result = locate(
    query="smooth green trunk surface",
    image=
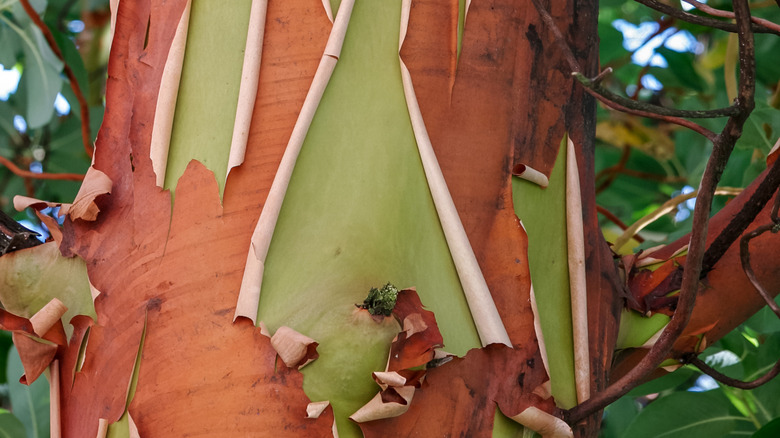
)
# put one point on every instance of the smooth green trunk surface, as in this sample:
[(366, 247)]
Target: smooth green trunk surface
[(208, 92), (358, 213), (543, 212)]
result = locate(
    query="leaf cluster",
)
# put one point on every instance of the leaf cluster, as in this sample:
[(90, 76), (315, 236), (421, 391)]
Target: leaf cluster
[(35, 133), (641, 163)]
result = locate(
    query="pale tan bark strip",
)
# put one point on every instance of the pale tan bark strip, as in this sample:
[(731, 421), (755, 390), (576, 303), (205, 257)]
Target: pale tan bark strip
[(54, 400), (483, 310), (251, 284), (250, 77), (102, 428), (530, 174), (166, 98), (665, 208), (546, 425), (44, 319), (577, 280)]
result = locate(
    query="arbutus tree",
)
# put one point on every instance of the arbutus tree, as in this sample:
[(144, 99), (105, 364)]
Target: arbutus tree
[(262, 167)]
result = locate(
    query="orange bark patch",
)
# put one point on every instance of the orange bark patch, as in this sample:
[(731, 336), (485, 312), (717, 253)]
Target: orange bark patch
[(420, 336), (459, 398), (181, 282)]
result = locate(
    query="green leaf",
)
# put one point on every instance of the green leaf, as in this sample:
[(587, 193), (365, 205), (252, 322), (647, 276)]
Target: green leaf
[(20, 15), (766, 396), (30, 278), (10, 48), (10, 426), (6, 343), (769, 430), (767, 67), (670, 381), (754, 135), (681, 66), (611, 46), (30, 404), (765, 321), (685, 414), (73, 58), (543, 212), (618, 416), (41, 75)]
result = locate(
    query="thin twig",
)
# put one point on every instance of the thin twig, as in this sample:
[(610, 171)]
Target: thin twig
[(730, 381), (698, 19), (744, 254), (730, 15), (743, 218), (652, 176), (695, 127), (74, 83), (616, 220), (665, 208), (648, 107), (612, 171), (28, 174), (723, 144)]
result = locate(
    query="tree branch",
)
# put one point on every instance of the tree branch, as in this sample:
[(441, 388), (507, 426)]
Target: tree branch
[(703, 21), (27, 174), (730, 381), (616, 220), (74, 83), (648, 107), (742, 219), (723, 144), (744, 255), (730, 15)]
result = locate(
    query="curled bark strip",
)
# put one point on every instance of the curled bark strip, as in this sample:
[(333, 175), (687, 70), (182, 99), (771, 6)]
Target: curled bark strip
[(729, 381), (577, 280), (166, 98), (74, 83), (480, 301), (249, 295), (530, 174), (54, 398), (704, 21), (543, 423), (250, 78)]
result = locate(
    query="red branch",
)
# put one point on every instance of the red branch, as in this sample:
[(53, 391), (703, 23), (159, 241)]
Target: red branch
[(74, 84), (726, 14), (616, 220), (27, 174)]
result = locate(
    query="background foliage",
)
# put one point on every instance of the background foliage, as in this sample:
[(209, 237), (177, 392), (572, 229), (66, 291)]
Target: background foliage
[(641, 164)]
